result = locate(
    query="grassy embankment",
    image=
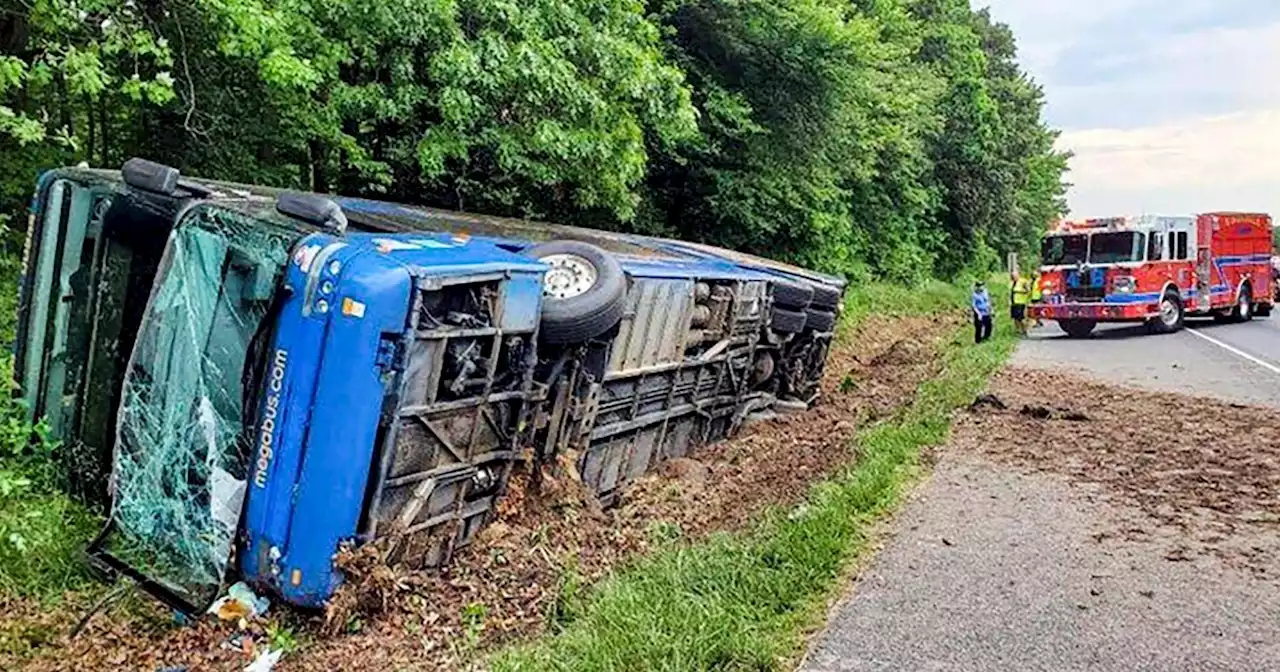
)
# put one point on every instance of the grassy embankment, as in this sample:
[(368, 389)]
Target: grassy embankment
[(746, 601), (42, 532)]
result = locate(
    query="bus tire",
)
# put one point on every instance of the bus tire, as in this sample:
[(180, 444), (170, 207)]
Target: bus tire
[(792, 295), (786, 321), (1077, 328), (820, 321), (1171, 317), (825, 297), (572, 313)]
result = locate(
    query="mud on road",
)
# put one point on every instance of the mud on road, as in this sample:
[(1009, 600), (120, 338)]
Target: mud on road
[(544, 546), (1203, 476), (1070, 524)]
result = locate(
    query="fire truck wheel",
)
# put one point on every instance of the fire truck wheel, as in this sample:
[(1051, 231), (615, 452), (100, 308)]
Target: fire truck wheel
[(1243, 310), (1262, 310), (583, 294), (1171, 315), (1077, 328)]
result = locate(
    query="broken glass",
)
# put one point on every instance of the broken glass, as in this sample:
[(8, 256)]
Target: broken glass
[(180, 461)]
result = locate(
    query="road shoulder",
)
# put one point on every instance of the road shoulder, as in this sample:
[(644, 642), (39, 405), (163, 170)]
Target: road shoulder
[(1025, 551)]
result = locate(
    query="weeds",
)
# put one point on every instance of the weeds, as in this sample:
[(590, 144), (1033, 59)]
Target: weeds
[(42, 532), (280, 638), (744, 601), (473, 617)]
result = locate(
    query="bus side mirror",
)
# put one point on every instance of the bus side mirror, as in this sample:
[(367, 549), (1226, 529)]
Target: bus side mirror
[(150, 176), (313, 209)]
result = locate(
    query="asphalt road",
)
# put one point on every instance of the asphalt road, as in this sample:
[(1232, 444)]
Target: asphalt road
[(1237, 362), (993, 569), (989, 567)]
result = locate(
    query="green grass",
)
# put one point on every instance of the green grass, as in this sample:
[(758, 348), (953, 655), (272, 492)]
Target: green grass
[(744, 602), (42, 541), (43, 533), (888, 299)]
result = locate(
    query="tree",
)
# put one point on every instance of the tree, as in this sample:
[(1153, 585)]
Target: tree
[(886, 138)]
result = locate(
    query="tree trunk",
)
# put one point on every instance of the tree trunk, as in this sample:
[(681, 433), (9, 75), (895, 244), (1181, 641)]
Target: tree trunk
[(105, 132), (319, 178), (87, 154)]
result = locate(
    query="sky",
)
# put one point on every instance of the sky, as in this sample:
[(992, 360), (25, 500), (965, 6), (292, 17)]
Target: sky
[(1170, 106)]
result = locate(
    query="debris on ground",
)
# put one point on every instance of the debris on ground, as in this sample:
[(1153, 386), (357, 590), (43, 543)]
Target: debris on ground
[(551, 537), (1036, 411), (239, 603), (265, 662), (987, 401), (1045, 413), (1204, 475)]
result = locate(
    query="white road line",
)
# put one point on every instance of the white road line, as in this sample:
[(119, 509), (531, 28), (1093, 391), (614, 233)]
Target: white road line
[(1236, 351)]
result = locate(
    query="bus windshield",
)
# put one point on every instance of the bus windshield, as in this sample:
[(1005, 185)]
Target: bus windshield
[(1116, 247), (1064, 250), (180, 462)]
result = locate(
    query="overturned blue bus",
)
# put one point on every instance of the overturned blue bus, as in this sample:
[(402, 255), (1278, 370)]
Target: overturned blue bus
[(252, 378)]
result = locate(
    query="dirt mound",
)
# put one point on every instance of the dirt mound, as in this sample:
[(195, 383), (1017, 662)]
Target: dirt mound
[(902, 353), (551, 536), (1207, 470)]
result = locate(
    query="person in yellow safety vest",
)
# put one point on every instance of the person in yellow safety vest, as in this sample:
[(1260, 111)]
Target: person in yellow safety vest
[(1037, 295), (1021, 296)]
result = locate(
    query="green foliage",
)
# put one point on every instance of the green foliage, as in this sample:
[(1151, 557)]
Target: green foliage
[(878, 138), (744, 602), (42, 532), (280, 638)]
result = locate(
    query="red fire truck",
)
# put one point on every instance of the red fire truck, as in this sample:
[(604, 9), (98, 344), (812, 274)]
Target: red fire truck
[(1156, 270)]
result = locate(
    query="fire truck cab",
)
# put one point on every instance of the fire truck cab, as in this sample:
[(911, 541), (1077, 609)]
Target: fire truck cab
[(1157, 270)]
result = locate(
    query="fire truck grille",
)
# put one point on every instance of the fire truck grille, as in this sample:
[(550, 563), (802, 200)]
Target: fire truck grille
[(1086, 294)]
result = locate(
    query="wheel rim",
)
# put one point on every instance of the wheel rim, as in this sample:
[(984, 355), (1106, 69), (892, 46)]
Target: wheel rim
[(1168, 312), (570, 275), (1245, 306)]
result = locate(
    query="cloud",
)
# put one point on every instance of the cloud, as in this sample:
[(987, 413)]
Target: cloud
[(1227, 162), (1170, 107), (1210, 72), (1130, 63)]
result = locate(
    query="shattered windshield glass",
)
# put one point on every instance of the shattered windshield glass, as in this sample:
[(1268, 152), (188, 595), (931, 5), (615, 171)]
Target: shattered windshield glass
[(180, 461)]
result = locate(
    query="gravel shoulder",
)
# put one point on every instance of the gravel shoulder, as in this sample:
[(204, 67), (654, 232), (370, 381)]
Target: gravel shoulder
[(1063, 541)]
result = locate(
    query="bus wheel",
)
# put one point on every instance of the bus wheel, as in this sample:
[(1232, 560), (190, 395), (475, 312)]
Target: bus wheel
[(1171, 315), (1077, 328), (584, 291)]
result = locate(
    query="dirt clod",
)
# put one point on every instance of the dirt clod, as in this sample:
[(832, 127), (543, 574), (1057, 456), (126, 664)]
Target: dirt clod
[(987, 401)]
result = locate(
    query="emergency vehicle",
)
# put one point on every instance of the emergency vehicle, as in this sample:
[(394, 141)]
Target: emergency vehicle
[(1157, 270)]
